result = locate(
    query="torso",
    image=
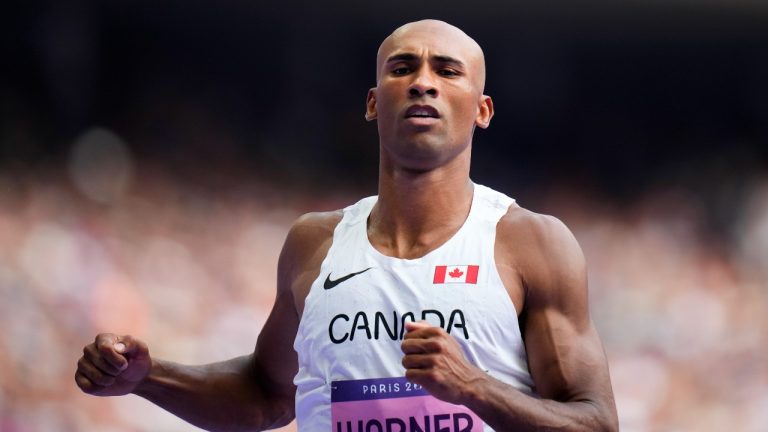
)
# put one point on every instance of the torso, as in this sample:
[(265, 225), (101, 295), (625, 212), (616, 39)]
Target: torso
[(352, 331), (507, 258)]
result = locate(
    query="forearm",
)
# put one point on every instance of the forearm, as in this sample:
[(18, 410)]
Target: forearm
[(219, 396), (503, 407)]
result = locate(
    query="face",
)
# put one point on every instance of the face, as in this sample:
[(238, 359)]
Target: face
[(429, 94)]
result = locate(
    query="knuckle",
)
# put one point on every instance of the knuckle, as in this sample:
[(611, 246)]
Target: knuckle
[(105, 348), (90, 355), (411, 362), (410, 348), (83, 383), (92, 373), (104, 340), (106, 381), (106, 369), (101, 379)]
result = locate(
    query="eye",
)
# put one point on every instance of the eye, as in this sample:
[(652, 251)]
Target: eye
[(447, 72), (402, 70)]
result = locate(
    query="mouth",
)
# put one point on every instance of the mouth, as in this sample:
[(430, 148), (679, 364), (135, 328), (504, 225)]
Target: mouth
[(422, 111)]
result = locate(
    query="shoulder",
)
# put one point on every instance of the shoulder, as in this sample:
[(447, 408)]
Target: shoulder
[(538, 231), (545, 253), (305, 247), (315, 225), (310, 234)]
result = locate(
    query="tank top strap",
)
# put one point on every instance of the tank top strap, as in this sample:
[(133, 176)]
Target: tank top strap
[(489, 205)]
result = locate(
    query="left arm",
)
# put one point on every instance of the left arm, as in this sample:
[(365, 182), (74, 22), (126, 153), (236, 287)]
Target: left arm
[(565, 355)]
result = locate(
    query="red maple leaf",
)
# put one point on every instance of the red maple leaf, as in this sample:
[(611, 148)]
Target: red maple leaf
[(455, 273)]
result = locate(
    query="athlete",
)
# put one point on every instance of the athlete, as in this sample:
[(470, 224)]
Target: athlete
[(438, 305)]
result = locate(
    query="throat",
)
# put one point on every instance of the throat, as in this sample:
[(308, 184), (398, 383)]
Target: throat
[(405, 229), (407, 247)]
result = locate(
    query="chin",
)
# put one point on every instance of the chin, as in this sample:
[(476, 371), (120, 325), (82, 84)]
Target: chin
[(422, 157)]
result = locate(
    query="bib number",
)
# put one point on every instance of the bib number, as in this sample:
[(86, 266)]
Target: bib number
[(395, 405)]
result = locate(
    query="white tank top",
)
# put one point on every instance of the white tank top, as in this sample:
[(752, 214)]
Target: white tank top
[(350, 376)]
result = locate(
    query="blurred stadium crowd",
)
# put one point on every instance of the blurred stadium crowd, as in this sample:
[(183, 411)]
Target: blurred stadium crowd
[(120, 248)]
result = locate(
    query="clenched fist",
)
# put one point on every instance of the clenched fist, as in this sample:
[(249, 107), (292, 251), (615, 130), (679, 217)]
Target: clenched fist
[(112, 365), (434, 360)]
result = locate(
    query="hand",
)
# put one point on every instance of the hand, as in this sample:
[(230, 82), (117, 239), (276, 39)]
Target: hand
[(434, 360), (112, 365)]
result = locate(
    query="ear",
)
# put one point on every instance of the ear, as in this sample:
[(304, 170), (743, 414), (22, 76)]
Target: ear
[(485, 112), (370, 105)]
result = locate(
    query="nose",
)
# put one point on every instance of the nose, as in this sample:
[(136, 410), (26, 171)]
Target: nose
[(422, 85)]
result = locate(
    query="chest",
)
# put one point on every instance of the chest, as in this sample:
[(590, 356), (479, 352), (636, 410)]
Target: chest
[(359, 299), (359, 288)]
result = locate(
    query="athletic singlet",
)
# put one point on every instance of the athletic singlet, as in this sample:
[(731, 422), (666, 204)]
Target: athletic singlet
[(350, 376)]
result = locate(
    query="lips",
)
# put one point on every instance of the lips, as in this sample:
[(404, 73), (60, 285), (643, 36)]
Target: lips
[(422, 111)]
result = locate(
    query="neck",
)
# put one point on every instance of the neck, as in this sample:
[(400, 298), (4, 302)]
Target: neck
[(417, 211)]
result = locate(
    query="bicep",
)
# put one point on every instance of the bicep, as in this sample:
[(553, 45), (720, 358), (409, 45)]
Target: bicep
[(565, 354), (566, 360), (299, 264), (272, 365), (275, 361)]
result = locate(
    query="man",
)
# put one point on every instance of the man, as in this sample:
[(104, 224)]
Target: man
[(438, 305)]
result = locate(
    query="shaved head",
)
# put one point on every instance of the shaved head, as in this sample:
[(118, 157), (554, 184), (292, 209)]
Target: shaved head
[(411, 36), (429, 95)]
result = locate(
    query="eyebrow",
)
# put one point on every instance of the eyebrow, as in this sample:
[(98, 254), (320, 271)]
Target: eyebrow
[(440, 58)]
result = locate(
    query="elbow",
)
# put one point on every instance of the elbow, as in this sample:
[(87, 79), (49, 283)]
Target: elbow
[(285, 417), (599, 417), (606, 419), (263, 414), (282, 411)]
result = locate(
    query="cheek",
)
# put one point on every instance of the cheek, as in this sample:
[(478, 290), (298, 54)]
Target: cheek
[(465, 104), (385, 105), (465, 112), (390, 91)]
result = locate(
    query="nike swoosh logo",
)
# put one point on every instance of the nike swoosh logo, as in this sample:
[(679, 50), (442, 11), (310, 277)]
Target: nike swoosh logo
[(328, 284)]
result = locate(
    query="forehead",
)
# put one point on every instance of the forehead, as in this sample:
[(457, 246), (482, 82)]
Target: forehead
[(432, 40)]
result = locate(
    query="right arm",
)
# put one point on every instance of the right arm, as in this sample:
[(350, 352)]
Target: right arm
[(253, 392)]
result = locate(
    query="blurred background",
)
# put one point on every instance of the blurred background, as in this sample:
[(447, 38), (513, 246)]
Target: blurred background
[(154, 154)]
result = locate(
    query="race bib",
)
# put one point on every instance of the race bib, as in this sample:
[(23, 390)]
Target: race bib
[(395, 405)]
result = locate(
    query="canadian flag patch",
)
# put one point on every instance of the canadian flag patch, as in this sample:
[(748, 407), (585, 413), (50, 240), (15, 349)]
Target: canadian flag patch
[(456, 274)]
